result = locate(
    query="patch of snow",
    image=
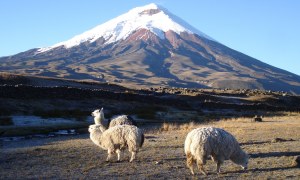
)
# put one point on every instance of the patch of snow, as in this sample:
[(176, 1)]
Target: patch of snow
[(122, 26)]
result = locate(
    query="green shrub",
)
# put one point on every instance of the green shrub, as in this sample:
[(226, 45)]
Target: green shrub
[(143, 112), (5, 112), (147, 112), (58, 113), (6, 121)]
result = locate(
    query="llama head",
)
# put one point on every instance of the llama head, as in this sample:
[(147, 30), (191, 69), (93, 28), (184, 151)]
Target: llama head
[(95, 127), (98, 112), (244, 161), (98, 116)]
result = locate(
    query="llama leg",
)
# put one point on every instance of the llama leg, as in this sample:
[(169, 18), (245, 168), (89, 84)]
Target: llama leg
[(200, 164), (118, 151), (132, 156), (189, 162), (219, 163), (109, 154), (214, 158)]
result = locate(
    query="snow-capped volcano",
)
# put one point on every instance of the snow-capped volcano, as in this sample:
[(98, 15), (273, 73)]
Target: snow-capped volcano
[(149, 46), (152, 17)]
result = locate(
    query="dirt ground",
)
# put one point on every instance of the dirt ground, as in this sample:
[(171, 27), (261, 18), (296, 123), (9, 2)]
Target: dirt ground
[(162, 156)]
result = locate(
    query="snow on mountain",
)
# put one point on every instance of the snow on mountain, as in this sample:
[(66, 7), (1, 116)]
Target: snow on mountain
[(152, 17)]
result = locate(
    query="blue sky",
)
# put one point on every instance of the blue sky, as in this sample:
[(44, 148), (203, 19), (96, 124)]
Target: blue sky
[(267, 30)]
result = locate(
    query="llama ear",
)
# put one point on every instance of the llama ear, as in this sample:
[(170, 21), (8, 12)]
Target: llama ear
[(102, 114)]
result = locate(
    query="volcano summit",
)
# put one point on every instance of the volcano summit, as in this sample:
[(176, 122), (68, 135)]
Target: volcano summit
[(149, 46)]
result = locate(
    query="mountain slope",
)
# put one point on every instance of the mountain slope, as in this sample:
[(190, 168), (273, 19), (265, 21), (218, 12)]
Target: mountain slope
[(149, 46)]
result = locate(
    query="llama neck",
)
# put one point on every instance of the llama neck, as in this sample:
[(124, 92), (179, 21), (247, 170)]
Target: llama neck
[(102, 128), (96, 136), (98, 120)]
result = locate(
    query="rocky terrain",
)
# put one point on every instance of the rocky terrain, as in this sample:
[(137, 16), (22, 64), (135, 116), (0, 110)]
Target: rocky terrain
[(23, 89)]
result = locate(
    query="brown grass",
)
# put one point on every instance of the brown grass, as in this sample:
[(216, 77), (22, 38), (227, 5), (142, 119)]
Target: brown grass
[(178, 127), (162, 155)]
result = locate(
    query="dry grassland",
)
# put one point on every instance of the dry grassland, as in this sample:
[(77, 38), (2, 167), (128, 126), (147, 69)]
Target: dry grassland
[(162, 156)]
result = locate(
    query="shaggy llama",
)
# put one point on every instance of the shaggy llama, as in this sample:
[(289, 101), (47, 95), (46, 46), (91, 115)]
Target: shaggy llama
[(121, 120), (203, 142), (117, 138), (118, 120)]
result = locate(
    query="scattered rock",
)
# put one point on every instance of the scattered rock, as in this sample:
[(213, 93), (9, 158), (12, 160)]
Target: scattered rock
[(296, 161), (158, 162), (39, 149), (257, 119)]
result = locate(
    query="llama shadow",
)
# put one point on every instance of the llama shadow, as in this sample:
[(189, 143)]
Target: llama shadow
[(169, 146), (260, 170), (270, 169), (264, 142), (151, 137), (274, 154), (251, 143), (175, 159), (271, 121)]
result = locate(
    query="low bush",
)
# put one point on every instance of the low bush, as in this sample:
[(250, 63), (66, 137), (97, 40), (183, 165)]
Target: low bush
[(179, 126), (5, 112), (58, 113), (142, 112), (6, 121)]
